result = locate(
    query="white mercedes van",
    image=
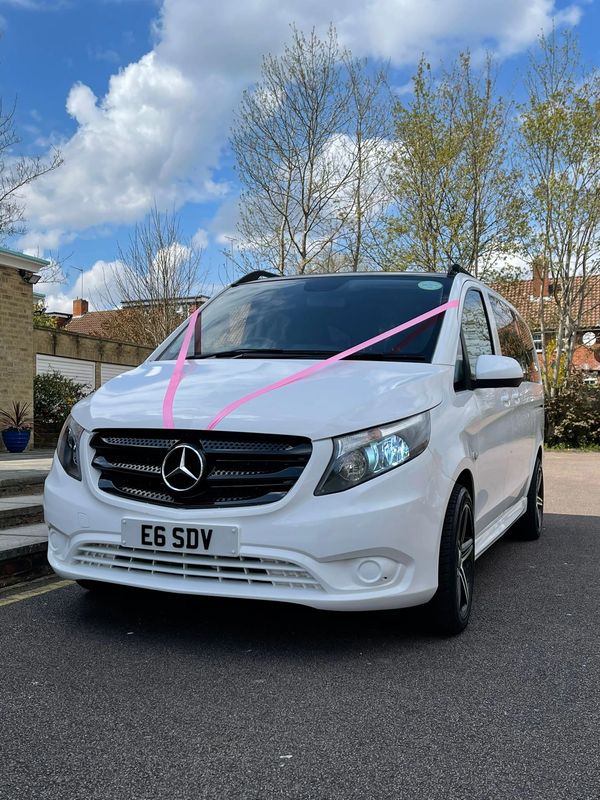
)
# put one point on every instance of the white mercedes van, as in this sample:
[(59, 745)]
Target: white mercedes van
[(373, 483)]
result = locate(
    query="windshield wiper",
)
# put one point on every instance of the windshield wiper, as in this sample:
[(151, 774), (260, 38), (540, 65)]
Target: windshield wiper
[(257, 352), (240, 352), (361, 356)]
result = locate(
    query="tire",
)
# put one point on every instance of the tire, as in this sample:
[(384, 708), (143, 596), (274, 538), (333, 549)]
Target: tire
[(529, 526), (450, 607)]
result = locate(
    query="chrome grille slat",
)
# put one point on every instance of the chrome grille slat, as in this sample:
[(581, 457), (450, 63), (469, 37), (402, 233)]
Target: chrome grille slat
[(241, 468), (137, 468), (146, 494), (188, 566), (129, 441)]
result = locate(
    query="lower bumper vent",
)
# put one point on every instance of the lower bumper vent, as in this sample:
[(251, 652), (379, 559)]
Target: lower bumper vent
[(192, 567)]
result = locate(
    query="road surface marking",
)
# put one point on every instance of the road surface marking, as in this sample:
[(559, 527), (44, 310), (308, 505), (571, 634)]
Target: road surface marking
[(16, 598)]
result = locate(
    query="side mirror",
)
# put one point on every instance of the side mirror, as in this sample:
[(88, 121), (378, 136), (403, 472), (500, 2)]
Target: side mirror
[(493, 372)]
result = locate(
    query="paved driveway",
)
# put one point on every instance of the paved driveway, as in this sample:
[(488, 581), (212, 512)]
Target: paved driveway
[(165, 697)]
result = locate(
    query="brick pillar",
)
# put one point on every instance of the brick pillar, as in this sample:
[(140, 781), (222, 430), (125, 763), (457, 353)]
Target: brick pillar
[(17, 366)]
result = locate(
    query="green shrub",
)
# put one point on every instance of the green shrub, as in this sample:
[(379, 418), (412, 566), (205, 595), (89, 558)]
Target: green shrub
[(573, 415), (53, 397)]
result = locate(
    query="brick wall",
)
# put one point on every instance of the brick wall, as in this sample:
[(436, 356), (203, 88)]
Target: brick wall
[(90, 348), (16, 339)]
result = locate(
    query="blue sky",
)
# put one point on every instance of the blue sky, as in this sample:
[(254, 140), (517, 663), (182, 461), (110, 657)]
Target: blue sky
[(139, 94)]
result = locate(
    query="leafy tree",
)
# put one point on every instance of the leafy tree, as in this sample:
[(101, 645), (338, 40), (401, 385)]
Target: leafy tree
[(560, 151), (455, 189), (40, 318)]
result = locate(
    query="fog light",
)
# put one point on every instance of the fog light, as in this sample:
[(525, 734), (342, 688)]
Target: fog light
[(369, 571), (57, 542)]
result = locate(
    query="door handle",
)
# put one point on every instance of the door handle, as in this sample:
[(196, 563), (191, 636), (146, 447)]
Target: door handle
[(505, 399)]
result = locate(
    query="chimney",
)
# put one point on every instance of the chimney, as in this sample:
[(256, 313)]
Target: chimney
[(540, 284), (80, 307)]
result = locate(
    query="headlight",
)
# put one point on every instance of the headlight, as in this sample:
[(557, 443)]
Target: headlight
[(361, 456), (67, 449)]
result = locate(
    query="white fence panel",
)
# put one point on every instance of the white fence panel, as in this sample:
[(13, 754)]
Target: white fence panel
[(74, 368), (108, 371)]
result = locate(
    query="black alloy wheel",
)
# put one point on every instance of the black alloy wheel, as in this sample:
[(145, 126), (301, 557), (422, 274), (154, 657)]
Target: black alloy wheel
[(529, 526), (451, 605)]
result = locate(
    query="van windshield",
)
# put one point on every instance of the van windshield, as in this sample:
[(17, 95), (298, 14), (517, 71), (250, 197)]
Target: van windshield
[(315, 317)]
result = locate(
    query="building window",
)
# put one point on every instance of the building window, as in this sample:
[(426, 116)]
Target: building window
[(537, 341), (590, 378)]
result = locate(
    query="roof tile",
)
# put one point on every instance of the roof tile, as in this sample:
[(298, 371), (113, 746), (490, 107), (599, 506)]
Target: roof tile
[(94, 323), (520, 294)]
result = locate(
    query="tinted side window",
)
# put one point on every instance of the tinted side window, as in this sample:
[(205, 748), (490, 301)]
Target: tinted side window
[(515, 338), (531, 370), (475, 330)]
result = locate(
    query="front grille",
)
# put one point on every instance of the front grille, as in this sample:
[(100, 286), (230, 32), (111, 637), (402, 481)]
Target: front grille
[(241, 469), (191, 567)]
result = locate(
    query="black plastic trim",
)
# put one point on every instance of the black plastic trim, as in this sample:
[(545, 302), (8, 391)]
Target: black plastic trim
[(496, 383), (254, 276)]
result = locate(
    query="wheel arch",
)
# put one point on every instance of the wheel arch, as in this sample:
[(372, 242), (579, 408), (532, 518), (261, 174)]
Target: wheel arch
[(465, 478), (540, 454)]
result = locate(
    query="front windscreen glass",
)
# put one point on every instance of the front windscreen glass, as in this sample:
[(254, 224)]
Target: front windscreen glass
[(319, 316)]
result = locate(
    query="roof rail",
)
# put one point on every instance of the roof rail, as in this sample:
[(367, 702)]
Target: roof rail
[(456, 269), (254, 276)]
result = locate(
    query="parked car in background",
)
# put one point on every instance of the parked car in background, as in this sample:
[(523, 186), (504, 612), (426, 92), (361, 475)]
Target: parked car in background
[(372, 484)]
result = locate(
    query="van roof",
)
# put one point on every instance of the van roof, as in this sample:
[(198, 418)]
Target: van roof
[(260, 275)]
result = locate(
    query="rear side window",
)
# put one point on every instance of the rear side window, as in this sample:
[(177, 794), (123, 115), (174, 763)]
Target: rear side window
[(476, 336), (515, 338)]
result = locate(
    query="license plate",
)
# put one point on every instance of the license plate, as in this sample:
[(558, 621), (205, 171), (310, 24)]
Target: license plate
[(177, 537)]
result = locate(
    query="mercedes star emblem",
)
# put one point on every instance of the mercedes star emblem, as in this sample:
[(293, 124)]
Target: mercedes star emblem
[(183, 467)]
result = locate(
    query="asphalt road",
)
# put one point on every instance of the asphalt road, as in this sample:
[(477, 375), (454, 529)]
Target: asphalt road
[(151, 696)]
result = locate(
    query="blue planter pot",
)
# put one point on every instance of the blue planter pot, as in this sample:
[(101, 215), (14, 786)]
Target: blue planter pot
[(16, 441)]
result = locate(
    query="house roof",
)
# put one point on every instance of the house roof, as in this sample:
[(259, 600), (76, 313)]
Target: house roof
[(17, 260), (94, 323), (520, 294), (117, 324)]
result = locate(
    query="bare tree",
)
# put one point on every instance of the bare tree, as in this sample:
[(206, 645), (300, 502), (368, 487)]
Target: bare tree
[(560, 140), (364, 202), (15, 173), (302, 141), (156, 283)]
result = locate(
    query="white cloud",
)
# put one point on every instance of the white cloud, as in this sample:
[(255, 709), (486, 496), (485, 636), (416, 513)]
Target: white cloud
[(200, 239), (401, 31), (158, 132), (130, 148)]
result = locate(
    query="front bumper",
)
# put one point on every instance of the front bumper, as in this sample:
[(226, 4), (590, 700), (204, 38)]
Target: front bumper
[(373, 547)]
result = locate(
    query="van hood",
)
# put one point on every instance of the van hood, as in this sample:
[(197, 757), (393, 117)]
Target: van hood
[(344, 397)]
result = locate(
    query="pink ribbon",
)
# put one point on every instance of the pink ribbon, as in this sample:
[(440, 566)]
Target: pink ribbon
[(296, 376), (177, 374)]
